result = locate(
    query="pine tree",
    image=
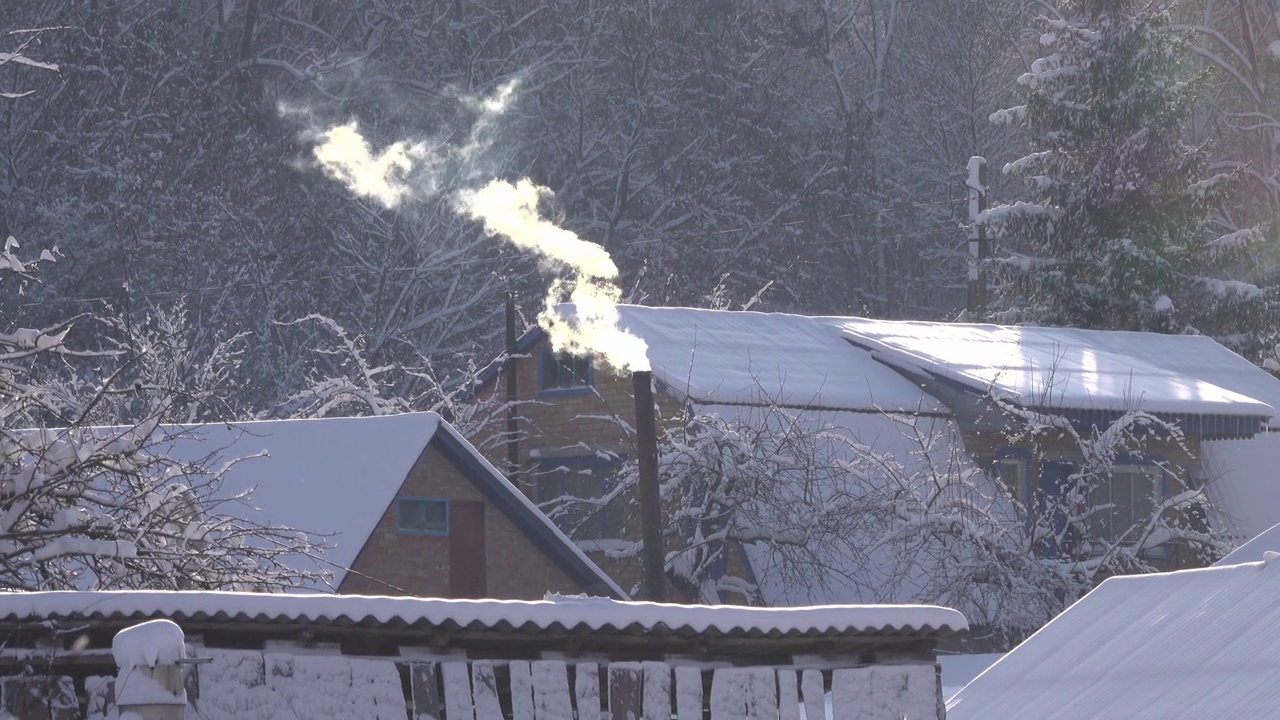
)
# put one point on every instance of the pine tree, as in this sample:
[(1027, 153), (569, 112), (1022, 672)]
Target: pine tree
[(1120, 233)]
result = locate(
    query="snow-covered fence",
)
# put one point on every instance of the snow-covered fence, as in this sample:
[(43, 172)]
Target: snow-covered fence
[(327, 657), (247, 685)]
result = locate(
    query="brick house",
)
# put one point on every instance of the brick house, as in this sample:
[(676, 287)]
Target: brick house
[(854, 372), (405, 504)]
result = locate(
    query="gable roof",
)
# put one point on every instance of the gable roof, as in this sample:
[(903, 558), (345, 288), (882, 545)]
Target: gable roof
[(1194, 643), (337, 476), (1254, 550), (1187, 377)]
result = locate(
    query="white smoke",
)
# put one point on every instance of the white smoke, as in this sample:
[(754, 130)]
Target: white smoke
[(407, 170), (345, 154), (512, 212)]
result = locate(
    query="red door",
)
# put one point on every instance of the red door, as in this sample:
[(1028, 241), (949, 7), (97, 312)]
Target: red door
[(466, 549)]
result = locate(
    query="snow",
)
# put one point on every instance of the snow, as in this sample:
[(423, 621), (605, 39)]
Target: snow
[(152, 643), (959, 670), (333, 477), (1195, 643), (596, 614), (1244, 482), (850, 574), (251, 685), (1068, 368), (885, 692), (1255, 550), (716, 356)]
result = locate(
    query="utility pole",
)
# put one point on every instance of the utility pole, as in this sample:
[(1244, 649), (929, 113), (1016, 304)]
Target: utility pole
[(979, 248)]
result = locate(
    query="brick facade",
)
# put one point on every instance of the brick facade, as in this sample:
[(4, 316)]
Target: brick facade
[(577, 423), (396, 563)]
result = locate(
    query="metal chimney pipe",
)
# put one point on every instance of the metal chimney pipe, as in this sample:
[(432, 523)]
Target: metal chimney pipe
[(653, 558)]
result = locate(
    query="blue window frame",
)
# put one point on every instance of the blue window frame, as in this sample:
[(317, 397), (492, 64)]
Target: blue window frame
[(561, 481), (422, 516), (1137, 486), (562, 372)]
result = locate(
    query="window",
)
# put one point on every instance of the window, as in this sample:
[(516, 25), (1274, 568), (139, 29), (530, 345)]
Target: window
[(1130, 495), (1010, 469), (570, 489), (563, 371), (422, 516)]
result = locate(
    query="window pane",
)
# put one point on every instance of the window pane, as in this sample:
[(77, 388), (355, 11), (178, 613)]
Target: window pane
[(424, 516)]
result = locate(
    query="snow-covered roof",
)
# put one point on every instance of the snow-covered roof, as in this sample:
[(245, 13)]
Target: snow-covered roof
[(1069, 368), (1253, 551), (558, 613), (331, 476), (337, 476), (718, 356), (1195, 644)]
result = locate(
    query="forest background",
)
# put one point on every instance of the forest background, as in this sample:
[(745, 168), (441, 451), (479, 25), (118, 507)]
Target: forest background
[(795, 155)]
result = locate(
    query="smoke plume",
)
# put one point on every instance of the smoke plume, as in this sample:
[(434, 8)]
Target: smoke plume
[(344, 154), (406, 170), (512, 212)]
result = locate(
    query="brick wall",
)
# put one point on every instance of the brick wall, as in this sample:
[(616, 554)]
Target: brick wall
[(394, 563), (574, 423)]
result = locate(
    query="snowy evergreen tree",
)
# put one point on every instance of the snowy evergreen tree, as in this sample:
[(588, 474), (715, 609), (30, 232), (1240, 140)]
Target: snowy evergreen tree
[(1119, 233)]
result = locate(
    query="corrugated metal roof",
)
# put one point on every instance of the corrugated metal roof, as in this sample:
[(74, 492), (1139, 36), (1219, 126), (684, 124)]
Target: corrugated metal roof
[(1069, 368), (571, 614), (1190, 644)]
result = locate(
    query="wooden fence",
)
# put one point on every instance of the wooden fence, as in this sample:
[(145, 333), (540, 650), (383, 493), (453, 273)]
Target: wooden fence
[(558, 690)]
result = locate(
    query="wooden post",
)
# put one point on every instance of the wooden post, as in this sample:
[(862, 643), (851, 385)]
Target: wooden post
[(513, 393), (979, 250), (653, 558)]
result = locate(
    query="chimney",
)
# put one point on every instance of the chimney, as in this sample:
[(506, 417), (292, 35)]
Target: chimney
[(653, 558)]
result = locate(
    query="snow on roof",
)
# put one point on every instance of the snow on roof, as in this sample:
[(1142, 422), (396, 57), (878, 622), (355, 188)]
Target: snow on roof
[(331, 476), (337, 476), (722, 356), (1068, 368), (567, 612), (1254, 550), (1195, 643)]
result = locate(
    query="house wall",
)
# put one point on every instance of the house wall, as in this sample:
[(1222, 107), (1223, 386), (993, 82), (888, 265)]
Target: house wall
[(395, 563), (1182, 460)]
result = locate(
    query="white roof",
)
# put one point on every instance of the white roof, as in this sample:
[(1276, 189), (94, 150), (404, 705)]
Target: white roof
[(334, 476), (1194, 644), (331, 476), (556, 612), (1078, 369), (1252, 551), (721, 356)]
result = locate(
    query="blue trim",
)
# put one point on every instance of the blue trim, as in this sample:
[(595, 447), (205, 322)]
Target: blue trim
[(499, 494), (400, 528), (547, 356)]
